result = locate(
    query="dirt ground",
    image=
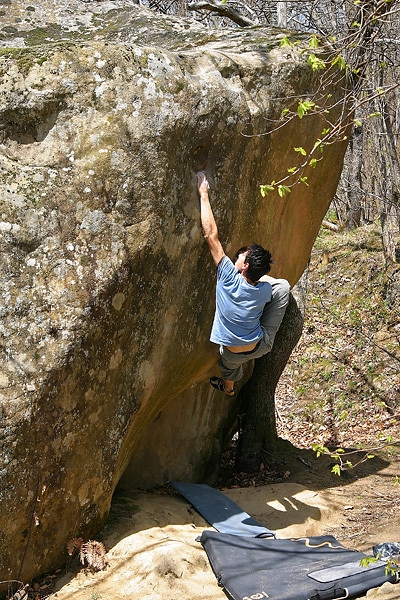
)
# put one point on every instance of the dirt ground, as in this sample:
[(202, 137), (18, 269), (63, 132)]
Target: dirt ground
[(151, 537)]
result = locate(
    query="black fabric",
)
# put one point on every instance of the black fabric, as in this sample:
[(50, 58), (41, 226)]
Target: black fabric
[(220, 511), (254, 568)]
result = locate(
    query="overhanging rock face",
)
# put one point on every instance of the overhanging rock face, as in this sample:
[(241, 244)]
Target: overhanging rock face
[(107, 288)]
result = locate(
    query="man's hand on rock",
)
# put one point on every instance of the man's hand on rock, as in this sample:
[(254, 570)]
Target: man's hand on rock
[(202, 183)]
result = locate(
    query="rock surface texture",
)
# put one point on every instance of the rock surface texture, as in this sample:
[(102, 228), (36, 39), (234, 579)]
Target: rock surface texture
[(107, 288)]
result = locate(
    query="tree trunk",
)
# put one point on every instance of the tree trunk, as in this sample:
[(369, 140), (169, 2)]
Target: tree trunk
[(281, 10), (389, 231), (389, 212), (258, 435), (354, 185)]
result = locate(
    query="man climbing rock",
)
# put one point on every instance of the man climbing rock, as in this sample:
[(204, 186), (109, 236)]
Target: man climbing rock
[(250, 304)]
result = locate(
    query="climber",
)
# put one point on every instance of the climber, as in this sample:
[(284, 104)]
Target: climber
[(250, 304)]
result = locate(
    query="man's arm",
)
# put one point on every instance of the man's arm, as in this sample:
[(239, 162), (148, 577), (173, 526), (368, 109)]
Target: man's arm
[(208, 224)]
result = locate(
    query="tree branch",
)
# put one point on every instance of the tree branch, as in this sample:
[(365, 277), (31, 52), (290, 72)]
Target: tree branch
[(224, 10)]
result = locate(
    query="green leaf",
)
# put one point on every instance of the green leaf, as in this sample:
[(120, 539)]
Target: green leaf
[(326, 131), (304, 180), (320, 145), (336, 470), (340, 62), (314, 42), (367, 560), (315, 62), (313, 163), (285, 42), (309, 104), (301, 151), (283, 190), (391, 568), (357, 122), (304, 106), (264, 189), (292, 169), (319, 449)]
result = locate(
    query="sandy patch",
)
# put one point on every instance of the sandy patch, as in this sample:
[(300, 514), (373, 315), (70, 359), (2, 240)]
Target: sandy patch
[(153, 550)]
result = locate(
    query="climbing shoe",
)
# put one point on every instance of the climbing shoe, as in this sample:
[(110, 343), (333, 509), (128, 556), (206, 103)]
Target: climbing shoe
[(219, 384)]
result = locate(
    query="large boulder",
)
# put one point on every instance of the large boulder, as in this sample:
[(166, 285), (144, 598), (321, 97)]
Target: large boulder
[(107, 286)]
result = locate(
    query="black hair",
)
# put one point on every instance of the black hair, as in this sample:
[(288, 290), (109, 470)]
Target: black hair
[(258, 259), (240, 251)]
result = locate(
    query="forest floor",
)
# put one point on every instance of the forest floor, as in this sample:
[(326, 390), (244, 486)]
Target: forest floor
[(341, 388)]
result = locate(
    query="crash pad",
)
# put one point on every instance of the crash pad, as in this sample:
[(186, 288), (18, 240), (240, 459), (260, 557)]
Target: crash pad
[(314, 568), (220, 511)]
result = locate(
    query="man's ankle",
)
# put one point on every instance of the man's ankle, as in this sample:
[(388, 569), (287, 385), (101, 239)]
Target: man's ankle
[(229, 388)]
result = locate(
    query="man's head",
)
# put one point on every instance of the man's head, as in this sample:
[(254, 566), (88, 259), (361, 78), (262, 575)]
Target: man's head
[(253, 261)]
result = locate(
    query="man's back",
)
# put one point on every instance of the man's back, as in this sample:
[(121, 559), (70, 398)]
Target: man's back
[(239, 307)]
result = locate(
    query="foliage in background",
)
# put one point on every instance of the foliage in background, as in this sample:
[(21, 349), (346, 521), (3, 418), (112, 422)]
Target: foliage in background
[(341, 387)]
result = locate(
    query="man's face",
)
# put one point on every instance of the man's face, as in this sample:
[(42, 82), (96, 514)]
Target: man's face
[(240, 262)]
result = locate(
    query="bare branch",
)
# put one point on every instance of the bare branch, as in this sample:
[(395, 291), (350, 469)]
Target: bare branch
[(229, 10), (330, 226)]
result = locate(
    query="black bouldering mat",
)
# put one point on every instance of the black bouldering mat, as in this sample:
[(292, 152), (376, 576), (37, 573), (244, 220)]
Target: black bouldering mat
[(315, 568), (220, 511)]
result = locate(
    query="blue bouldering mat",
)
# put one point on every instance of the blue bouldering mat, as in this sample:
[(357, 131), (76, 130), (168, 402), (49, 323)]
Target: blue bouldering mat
[(315, 568), (250, 563), (220, 511)]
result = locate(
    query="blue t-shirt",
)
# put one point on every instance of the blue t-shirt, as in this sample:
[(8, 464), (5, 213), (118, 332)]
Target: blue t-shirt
[(239, 306)]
